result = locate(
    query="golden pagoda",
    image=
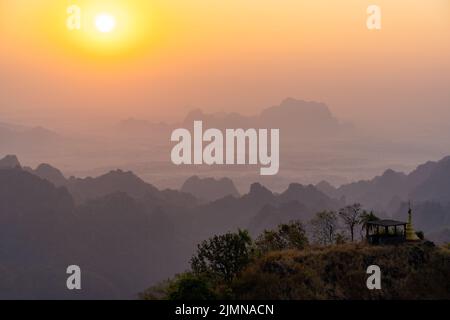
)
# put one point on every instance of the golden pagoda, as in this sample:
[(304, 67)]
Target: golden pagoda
[(410, 232)]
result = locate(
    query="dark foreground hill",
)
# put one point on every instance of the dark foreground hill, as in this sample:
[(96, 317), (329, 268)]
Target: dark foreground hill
[(409, 271)]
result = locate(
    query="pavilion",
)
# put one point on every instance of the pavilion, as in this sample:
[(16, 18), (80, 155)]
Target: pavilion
[(386, 232), (391, 231)]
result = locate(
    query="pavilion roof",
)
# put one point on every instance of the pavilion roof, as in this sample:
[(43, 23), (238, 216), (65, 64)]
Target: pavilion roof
[(386, 223)]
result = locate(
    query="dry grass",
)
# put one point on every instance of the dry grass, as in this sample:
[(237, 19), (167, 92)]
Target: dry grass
[(409, 271)]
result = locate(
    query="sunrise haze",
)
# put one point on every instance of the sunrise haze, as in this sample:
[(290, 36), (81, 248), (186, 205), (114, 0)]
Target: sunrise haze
[(229, 56)]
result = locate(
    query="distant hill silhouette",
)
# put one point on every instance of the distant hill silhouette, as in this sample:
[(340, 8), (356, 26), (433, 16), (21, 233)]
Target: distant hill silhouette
[(84, 189), (251, 210), (26, 139), (114, 181), (428, 182), (271, 215), (326, 188), (429, 216), (47, 172), (428, 187), (297, 202), (295, 118), (378, 192), (292, 116), (435, 184), (209, 189), (308, 195), (9, 161)]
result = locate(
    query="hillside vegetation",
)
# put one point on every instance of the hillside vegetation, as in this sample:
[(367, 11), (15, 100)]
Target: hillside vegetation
[(282, 265), (409, 271)]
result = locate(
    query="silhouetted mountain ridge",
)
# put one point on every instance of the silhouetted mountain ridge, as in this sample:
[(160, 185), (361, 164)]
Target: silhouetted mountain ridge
[(111, 182), (50, 173), (294, 117), (428, 182), (209, 189), (9, 161)]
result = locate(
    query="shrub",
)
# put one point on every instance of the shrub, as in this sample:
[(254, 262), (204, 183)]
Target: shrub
[(190, 287), (223, 257), (287, 236)]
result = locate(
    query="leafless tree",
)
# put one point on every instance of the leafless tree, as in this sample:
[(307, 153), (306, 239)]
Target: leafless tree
[(351, 216), (324, 226)]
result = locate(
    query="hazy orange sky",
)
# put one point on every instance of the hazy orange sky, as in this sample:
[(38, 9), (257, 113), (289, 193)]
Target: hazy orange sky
[(233, 55)]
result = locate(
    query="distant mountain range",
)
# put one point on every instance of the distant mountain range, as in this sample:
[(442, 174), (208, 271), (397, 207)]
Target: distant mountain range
[(385, 194), (428, 182), (291, 114), (294, 117), (209, 189), (127, 234), (15, 138), (427, 188), (122, 231), (315, 145), (9, 162)]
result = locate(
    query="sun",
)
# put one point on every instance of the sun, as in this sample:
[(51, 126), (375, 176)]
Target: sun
[(105, 22), (114, 28)]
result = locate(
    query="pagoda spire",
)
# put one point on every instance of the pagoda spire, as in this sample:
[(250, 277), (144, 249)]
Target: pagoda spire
[(410, 232)]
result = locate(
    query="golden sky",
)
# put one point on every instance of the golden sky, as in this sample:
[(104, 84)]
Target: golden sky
[(166, 56)]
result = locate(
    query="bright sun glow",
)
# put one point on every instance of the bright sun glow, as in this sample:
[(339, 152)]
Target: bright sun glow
[(105, 22), (113, 29)]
